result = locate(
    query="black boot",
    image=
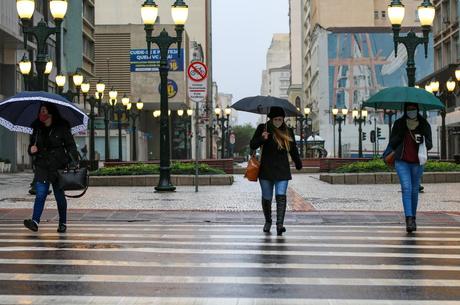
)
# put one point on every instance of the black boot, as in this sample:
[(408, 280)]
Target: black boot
[(415, 223), (267, 208), (410, 224), (280, 212)]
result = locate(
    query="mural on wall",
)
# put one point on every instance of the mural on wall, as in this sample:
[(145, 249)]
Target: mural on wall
[(361, 64)]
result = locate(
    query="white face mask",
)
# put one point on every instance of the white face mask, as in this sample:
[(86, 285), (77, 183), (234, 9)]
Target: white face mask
[(412, 114)]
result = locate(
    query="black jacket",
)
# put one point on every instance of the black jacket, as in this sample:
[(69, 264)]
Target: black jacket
[(399, 131), (55, 144), (274, 162)]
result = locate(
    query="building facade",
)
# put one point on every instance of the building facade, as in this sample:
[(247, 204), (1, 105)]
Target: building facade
[(196, 47), (348, 57)]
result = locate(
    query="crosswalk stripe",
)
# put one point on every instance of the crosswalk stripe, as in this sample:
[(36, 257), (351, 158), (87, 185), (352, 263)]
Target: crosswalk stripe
[(243, 230), (335, 266), (86, 300), (225, 280), (233, 243), (370, 227), (236, 252), (191, 235)]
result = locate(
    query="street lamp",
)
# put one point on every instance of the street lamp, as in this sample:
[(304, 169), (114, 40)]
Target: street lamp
[(360, 117), (340, 116), (426, 13), (60, 82), (149, 13), (134, 114), (119, 110), (444, 93), (41, 32), (222, 117), (303, 130)]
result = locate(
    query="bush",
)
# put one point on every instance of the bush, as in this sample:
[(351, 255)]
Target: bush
[(377, 165), (177, 168)]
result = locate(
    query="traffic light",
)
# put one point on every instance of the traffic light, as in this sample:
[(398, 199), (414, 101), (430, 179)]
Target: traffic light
[(379, 132), (364, 137), (372, 136)]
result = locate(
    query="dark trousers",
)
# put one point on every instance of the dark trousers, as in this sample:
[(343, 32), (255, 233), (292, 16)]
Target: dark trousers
[(40, 198)]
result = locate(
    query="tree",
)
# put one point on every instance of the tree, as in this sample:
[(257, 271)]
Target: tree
[(243, 134)]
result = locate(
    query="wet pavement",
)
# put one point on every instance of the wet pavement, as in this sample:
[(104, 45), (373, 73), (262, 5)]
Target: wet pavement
[(231, 262), (344, 245), (306, 193)]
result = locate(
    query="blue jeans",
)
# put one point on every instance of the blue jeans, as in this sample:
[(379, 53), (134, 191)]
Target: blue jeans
[(42, 192), (409, 177), (267, 188)]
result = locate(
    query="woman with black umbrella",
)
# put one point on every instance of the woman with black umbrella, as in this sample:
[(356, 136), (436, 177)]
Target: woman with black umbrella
[(52, 147), (276, 141)]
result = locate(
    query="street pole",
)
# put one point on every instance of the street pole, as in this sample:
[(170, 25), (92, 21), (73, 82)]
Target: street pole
[(360, 132), (301, 137), (197, 144), (120, 150), (340, 137), (443, 135), (222, 121), (92, 154)]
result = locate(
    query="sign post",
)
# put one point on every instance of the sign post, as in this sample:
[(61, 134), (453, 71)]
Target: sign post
[(197, 91)]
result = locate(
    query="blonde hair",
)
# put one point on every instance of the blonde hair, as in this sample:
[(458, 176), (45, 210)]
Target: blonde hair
[(282, 138)]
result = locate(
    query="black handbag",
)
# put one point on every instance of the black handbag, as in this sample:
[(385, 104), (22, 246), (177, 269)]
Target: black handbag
[(75, 179)]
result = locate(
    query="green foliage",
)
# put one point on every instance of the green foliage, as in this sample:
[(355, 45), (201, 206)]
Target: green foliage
[(177, 168), (377, 165), (243, 135)]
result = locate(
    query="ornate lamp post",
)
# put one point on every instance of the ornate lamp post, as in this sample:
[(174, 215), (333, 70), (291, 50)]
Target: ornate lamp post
[(186, 121), (303, 129), (426, 13), (340, 116), (149, 12), (41, 32), (360, 117), (444, 95), (133, 114), (222, 118), (25, 67)]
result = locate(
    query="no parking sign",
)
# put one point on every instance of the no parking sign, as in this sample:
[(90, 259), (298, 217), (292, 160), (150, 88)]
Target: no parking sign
[(197, 85)]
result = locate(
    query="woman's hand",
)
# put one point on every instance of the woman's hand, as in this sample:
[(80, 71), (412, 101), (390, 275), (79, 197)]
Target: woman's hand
[(33, 149), (265, 135)]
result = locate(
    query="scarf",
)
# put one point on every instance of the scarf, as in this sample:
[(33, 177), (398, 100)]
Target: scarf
[(412, 123)]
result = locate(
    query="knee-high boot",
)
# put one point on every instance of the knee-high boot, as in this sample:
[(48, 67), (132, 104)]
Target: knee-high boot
[(280, 212), (267, 208)]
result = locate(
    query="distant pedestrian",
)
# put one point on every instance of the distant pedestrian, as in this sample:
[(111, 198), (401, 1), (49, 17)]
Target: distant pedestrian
[(276, 141), (407, 134), (51, 146)]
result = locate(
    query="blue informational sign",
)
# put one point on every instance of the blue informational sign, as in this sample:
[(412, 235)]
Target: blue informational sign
[(172, 88), (142, 62)]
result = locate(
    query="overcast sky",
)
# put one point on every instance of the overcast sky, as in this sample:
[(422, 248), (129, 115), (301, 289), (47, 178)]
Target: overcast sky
[(242, 32)]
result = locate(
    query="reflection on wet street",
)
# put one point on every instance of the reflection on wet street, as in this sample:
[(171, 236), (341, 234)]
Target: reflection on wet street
[(134, 263)]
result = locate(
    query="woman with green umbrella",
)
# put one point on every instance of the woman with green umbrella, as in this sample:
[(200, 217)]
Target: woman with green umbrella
[(407, 134)]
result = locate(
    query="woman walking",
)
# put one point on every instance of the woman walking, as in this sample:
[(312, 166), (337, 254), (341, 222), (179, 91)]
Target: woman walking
[(276, 141), (52, 147), (408, 132)]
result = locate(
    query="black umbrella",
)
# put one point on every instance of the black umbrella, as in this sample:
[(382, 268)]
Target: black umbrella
[(18, 112), (262, 104)]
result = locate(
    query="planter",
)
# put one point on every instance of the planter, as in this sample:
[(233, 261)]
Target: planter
[(387, 178), (152, 180)]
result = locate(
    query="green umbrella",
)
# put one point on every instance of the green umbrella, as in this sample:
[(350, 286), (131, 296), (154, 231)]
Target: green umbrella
[(394, 98)]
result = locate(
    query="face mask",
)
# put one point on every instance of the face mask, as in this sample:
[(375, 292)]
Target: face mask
[(412, 114), (43, 117)]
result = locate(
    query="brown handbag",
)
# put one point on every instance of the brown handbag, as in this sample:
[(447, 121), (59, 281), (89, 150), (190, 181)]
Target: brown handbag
[(253, 168)]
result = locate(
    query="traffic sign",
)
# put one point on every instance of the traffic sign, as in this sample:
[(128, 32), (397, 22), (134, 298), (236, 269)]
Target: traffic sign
[(197, 91), (197, 84), (197, 71)]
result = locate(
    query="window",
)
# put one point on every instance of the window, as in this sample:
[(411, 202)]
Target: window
[(88, 12), (384, 14), (376, 14), (88, 48)]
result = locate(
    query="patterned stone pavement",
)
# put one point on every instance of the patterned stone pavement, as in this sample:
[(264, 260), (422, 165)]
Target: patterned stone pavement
[(306, 193)]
